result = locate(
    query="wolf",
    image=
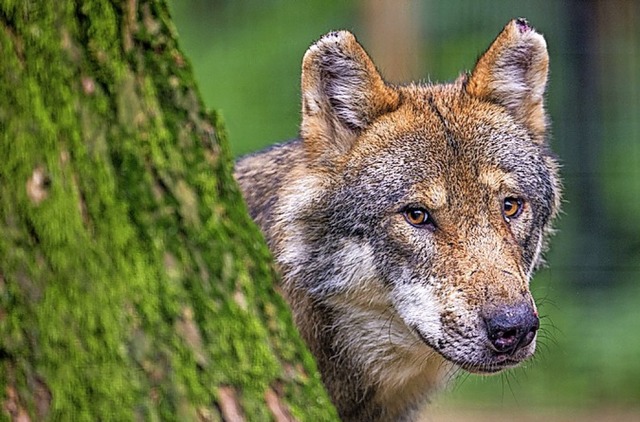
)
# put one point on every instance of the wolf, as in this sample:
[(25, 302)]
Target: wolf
[(406, 221)]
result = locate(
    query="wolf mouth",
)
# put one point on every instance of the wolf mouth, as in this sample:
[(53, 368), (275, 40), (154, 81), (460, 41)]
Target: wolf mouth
[(495, 363)]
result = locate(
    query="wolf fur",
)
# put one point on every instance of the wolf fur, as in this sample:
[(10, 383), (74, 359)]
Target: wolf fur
[(391, 305)]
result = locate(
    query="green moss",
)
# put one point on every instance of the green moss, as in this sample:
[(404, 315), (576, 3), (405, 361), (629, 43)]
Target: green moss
[(133, 282)]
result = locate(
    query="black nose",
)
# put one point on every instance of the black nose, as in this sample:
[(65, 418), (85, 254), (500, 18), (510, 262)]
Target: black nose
[(512, 328)]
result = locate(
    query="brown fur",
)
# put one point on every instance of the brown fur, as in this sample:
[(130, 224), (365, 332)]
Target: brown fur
[(389, 309)]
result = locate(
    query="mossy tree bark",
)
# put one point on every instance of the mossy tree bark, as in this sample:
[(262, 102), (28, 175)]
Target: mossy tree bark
[(133, 285)]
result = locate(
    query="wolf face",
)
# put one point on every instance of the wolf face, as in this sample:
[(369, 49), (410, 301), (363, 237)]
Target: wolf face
[(454, 211), (411, 218)]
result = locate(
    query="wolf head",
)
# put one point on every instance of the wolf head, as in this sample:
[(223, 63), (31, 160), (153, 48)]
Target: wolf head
[(421, 211)]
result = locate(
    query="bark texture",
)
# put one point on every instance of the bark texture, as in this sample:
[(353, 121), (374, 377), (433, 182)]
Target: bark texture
[(133, 285)]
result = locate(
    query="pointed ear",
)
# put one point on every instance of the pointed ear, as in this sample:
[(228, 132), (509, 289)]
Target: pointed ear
[(513, 73), (342, 94)]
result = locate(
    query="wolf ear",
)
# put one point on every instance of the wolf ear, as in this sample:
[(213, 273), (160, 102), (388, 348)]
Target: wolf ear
[(513, 73), (342, 94)]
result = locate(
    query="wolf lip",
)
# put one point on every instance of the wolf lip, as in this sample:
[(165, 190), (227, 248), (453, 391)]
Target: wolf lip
[(489, 366)]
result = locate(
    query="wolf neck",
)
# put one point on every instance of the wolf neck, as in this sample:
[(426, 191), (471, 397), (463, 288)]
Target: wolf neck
[(369, 360)]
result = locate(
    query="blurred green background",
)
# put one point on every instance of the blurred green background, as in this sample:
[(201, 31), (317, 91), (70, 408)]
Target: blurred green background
[(247, 53)]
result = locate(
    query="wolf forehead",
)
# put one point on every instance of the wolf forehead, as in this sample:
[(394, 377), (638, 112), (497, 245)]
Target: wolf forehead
[(438, 138)]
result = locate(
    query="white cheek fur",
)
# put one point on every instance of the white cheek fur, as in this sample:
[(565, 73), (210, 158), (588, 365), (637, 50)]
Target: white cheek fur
[(419, 307)]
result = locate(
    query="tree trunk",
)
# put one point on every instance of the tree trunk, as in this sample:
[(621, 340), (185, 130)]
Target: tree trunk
[(133, 284), (392, 30)]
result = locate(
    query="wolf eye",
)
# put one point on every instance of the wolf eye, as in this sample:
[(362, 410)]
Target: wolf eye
[(417, 217), (512, 207)]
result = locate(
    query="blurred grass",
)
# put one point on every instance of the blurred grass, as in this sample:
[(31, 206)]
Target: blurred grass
[(247, 55)]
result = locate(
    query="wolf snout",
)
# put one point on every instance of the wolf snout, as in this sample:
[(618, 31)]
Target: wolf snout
[(512, 328)]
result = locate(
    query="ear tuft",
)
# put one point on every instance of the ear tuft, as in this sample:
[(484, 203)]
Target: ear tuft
[(513, 73), (342, 92), (522, 25)]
